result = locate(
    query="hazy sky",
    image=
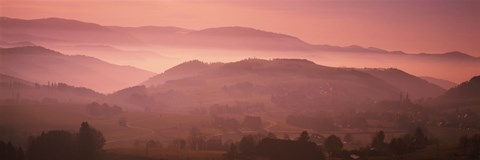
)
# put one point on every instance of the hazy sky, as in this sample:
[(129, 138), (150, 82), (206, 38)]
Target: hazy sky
[(408, 25)]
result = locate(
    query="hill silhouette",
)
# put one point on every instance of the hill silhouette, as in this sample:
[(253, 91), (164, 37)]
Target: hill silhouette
[(15, 90), (42, 65), (61, 30), (407, 83), (286, 82), (466, 90), (463, 95)]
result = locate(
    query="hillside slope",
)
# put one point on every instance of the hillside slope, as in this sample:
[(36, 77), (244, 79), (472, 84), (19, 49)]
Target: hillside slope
[(38, 64), (283, 82)]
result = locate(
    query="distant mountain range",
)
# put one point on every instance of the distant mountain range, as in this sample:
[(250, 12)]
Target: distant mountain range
[(130, 43), (61, 31), (41, 65), (234, 37)]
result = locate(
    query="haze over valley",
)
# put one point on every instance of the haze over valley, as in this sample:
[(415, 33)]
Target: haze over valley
[(183, 83)]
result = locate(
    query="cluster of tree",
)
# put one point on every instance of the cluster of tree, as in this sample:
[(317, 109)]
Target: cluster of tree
[(470, 146), (11, 152), (237, 108), (226, 123), (97, 109), (270, 147), (64, 145), (396, 147), (252, 122)]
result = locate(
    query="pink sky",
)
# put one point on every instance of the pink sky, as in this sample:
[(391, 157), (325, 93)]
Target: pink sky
[(414, 26)]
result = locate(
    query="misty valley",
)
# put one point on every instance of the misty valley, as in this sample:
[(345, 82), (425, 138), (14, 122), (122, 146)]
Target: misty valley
[(249, 109), (72, 90)]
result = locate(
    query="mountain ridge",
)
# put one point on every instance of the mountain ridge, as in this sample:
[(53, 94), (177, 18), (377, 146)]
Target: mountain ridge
[(300, 68), (351, 48), (39, 64)]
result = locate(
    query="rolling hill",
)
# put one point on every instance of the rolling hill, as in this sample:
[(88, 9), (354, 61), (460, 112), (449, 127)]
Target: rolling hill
[(466, 90), (15, 90), (466, 94), (42, 65), (289, 83), (414, 86)]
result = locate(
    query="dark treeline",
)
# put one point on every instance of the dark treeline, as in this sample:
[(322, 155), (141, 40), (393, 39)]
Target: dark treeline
[(271, 148), (86, 144), (11, 152), (397, 146)]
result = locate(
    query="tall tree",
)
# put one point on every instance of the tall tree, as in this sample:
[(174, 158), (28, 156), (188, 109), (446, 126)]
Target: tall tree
[(304, 137), (52, 145), (90, 141), (333, 145)]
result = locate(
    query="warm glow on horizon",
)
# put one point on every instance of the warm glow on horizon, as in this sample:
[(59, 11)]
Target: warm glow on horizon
[(411, 26), (239, 79)]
